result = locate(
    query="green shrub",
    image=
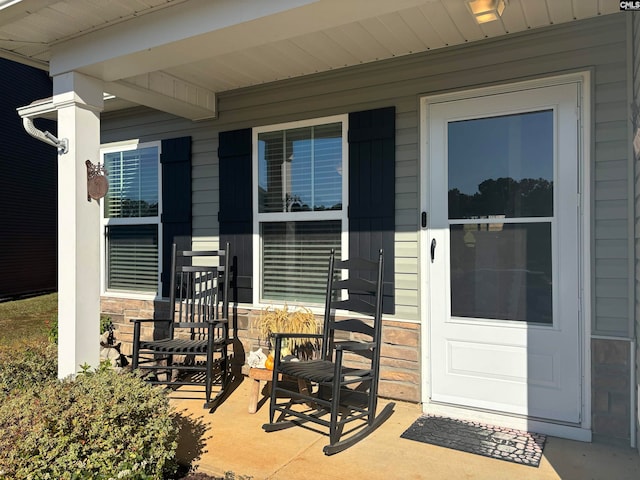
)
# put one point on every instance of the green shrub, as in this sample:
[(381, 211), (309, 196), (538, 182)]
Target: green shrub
[(53, 329), (102, 425), (105, 321), (27, 364)]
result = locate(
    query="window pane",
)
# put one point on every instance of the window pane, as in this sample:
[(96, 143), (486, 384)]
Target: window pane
[(502, 271), (300, 169), (132, 257), (327, 174), (295, 258), (133, 183), (270, 172), (501, 166)]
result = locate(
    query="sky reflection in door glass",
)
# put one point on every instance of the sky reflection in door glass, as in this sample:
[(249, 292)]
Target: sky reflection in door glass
[(501, 166)]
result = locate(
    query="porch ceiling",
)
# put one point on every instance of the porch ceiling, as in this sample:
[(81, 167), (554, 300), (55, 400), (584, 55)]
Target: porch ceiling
[(148, 51)]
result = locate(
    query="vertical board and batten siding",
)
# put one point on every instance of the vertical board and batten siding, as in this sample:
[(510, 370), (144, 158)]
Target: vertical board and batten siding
[(597, 45), (372, 198), (28, 188), (236, 209), (175, 160)]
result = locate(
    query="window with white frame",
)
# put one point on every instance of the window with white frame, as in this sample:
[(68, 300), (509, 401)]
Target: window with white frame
[(300, 205), (131, 217)]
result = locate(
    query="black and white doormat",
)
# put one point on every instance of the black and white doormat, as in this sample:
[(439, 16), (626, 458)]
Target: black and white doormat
[(481, 439)]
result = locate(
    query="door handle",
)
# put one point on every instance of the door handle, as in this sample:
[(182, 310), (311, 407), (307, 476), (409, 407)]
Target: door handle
[(433, 249)]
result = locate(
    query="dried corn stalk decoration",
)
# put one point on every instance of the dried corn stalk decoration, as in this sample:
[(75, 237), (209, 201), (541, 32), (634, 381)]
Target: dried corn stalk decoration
[(281, 320)]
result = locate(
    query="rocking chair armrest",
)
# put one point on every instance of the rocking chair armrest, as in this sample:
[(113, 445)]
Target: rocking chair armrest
[(150, 320), (217, 322), (354, 346)]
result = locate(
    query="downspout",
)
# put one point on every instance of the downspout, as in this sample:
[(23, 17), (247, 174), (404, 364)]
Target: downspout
[(61, 144)]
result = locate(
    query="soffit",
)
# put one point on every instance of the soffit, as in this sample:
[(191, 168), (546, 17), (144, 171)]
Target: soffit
[(431, 26), (32, 30)]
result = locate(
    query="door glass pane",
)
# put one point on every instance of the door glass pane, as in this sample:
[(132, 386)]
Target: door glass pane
[(502, 271), (501, 166)]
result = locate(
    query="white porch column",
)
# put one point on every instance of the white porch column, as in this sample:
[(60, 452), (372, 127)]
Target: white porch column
[(78, 100)]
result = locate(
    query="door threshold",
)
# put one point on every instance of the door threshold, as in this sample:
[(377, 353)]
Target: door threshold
[(548, 427)]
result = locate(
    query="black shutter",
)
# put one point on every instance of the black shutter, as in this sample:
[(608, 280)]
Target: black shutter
[(236, 209), (372, 150), (176, 201)]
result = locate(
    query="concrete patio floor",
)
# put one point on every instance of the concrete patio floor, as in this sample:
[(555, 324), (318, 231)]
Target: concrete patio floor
[(233, 441)]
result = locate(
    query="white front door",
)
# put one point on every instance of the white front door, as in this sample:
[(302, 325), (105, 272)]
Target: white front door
[(503, 251)]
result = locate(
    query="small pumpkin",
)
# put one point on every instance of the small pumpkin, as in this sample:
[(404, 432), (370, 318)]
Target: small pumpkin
[(268, 364)]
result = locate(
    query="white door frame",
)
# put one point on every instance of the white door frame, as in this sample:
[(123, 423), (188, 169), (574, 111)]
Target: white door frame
[(577, 432)]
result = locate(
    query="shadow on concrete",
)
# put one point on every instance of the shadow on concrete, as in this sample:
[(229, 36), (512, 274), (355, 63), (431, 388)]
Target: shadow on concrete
[(596, 461)]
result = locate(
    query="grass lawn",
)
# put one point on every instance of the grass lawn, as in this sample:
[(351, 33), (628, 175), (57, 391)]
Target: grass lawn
[(28, 319)]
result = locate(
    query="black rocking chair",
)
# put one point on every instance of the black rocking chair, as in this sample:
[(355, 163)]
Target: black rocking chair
[(343, 383), (191, 346)]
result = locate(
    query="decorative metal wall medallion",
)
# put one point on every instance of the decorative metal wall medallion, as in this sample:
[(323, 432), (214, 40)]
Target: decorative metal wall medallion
[(97, 182)]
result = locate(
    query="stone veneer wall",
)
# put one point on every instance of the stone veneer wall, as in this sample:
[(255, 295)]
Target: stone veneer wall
[(610, 387), (400, 359), (121, 311)]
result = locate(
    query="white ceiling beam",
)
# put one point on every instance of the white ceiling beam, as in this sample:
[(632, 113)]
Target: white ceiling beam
[(24, 60), (166, 93), (143, 37), (199, 29)]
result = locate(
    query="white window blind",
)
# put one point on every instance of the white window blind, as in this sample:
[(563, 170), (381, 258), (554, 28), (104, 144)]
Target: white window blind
[(294, 259), (299, 208), (133, 257)]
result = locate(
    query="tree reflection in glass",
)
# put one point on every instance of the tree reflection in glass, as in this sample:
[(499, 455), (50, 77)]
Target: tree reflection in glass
[(501, 166)]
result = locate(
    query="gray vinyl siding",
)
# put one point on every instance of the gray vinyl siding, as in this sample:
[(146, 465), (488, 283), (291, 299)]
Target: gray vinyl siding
[(635, 45), (610, 196), (597, 45)]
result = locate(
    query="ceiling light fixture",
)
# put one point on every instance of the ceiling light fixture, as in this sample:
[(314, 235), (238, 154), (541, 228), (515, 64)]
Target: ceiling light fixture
[(7, 3), (486, 10)]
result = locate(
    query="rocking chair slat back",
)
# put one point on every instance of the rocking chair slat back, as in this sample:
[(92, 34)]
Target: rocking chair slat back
[(344, 380), (197, 335)]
